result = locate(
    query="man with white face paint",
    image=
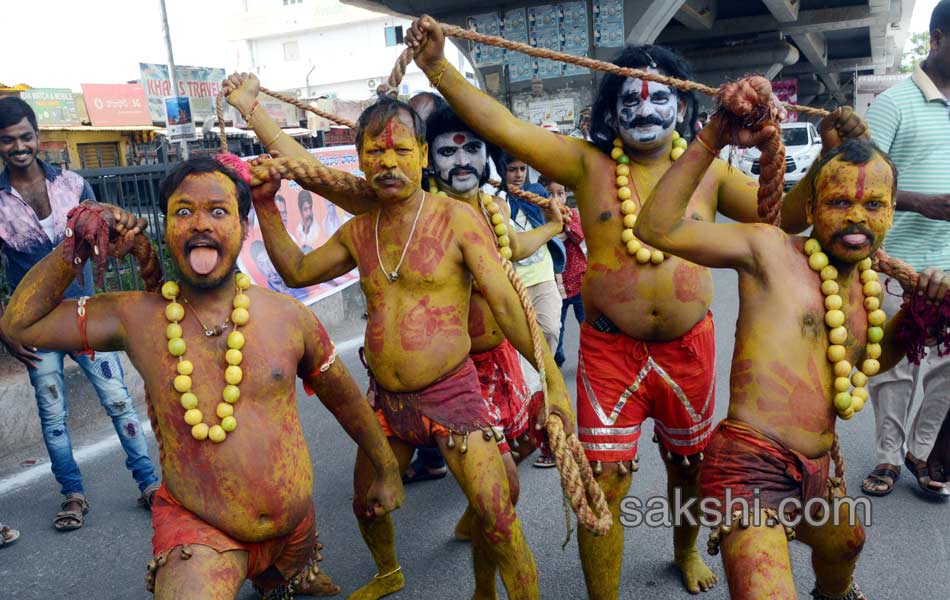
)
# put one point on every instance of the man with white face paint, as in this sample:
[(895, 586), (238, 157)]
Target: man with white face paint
[(647, 344), (460, 165)]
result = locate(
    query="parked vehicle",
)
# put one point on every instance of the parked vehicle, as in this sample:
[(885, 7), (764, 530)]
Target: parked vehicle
[(802, 147)]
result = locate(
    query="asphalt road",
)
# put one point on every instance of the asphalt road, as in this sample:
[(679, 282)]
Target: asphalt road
[(906, 555)]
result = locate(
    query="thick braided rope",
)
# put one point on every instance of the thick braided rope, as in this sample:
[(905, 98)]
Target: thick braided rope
[(748, 103), (838, 460), (902, 272), (577, 478), (525, 195), (313, 175), (599, 65), (391, 87)]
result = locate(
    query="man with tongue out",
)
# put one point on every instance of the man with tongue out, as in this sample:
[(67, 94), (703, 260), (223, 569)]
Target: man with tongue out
[(417, 255), (236, 501)]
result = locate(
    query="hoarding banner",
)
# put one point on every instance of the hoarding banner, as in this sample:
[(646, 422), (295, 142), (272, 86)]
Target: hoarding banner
[(53, 106), (200, 84), (311, 221), (178, 116), (111, 105)]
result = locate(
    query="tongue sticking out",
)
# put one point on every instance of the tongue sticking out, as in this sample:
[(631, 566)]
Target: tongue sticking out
[(203, 259), (854, 239)]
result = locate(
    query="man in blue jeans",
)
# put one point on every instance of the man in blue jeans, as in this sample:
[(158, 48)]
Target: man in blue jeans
[(34, 200)]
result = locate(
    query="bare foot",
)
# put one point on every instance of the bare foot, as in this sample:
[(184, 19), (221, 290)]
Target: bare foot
[(322, 585), (697, 577), (379, 587)]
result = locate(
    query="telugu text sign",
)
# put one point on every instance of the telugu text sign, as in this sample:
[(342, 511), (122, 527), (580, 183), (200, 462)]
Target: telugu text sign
[(112, 105)]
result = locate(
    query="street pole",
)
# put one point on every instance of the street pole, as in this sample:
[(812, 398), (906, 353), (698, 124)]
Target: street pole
[(171, 67)]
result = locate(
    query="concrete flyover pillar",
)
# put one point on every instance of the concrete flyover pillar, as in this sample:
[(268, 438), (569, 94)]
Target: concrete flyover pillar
[(647, 18)]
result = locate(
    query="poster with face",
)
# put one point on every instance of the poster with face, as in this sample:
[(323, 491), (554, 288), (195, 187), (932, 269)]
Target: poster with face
[(310, 220)]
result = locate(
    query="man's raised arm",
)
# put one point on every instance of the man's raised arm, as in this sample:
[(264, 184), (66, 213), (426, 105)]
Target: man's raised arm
[(38, 316), (664, 225), (559, 157), (242, 90)]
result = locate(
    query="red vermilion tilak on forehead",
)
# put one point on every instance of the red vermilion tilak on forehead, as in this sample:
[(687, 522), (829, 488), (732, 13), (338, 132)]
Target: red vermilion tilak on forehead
[(458, 138), (388, 133), (859, 184), (645, 90)]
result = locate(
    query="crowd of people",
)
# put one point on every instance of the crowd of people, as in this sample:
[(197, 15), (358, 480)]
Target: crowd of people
[(453, 369)]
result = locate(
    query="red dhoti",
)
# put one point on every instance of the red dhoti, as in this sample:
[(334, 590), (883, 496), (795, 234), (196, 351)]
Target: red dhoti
[(503, 386), (622, 381)]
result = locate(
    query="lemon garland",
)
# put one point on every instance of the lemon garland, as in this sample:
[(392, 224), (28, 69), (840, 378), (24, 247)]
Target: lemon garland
[(233, 375), (492, 212), (848, 400), (628, 208)]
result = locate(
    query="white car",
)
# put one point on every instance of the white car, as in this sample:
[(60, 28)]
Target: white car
[(802, 147)]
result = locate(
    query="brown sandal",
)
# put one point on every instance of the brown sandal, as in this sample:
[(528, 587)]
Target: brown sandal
[(922, 473), (69, 520), (884, 475)]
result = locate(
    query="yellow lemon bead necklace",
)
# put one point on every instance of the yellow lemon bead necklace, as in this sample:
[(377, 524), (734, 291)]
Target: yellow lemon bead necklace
[(628, 208), (233, 374), (492, 212), (849, 400)]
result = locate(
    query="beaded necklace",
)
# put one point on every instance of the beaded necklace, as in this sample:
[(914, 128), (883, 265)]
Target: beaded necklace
[(233, 374), (850, 390)]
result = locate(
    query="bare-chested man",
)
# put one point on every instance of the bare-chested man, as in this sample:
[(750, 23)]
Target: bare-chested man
[(417, 255), (647, 345), (803, 304), (236, 501)]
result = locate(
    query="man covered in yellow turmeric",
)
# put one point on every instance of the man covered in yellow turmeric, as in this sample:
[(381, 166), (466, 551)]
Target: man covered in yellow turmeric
[(809, 312), (418, 254)]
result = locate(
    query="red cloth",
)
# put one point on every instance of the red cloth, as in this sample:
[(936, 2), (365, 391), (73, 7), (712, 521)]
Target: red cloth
[(174, 525), (503, 385), (576, 263), (744, 460), (622, 381), (453, 402)]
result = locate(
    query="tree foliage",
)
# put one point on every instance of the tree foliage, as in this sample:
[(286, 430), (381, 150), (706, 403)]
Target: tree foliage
[(918, 51)]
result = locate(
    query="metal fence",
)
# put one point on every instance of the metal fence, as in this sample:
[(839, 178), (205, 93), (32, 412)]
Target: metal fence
[(136, 190)]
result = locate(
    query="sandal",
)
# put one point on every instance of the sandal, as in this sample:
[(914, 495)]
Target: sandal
[(68, 520), (8, 535), (922, 473), (148, 494), (885, 475), (418, 471)]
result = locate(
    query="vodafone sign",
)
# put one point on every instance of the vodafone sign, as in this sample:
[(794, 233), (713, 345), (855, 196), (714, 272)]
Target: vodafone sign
[(112, 105)]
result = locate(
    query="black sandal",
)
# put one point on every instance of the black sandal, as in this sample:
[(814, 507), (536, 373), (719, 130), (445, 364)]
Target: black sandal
[(884, 475), (69, 520), (922, 472)]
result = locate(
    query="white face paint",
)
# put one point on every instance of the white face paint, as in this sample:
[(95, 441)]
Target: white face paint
[(460, 160), (646, 112)]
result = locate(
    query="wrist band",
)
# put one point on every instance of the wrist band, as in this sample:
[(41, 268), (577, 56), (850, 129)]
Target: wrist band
[(250, 115), (273, 139), (437, 80), (81, 320), (705, 146)]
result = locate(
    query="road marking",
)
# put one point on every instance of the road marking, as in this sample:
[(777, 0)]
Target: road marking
[(109, 443)]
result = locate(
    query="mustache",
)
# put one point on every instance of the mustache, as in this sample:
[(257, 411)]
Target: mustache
[(391, 176), (852, 230), (202, 239), (647, 120), (21, 153), (462, 170)]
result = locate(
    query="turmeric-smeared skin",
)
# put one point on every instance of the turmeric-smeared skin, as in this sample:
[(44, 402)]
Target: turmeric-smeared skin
[(417, 328), (257, 484), (781, 381)]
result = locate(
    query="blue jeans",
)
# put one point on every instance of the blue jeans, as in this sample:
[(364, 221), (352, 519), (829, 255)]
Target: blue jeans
[(578, 305), (106, 376)]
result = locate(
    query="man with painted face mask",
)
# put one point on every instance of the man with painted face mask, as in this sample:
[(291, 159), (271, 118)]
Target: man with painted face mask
[(647, 344), (460, 165)]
